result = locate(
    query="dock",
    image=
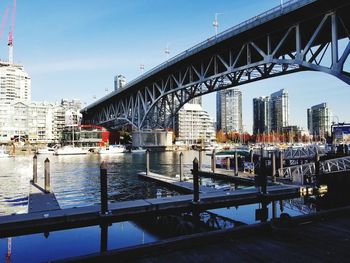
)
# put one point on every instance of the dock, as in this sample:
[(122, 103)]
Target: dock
[(320, 237), (35, 222), (175, 183), (229, 175), (39, 201)]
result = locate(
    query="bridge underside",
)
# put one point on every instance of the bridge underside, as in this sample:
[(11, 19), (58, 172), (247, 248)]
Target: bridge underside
[(305, 39)]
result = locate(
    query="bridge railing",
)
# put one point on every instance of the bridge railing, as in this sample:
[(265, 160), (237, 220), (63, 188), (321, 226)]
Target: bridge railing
[(252, 22)]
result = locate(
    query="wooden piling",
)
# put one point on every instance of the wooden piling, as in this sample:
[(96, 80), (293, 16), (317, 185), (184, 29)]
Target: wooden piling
[(47, 175), (103, 184), (236, 163), (281, 162), (35, 169), (251, 156), (213, 161), (273, 162), (228, 163), (195, 174), (147, 162), (181, 166), (317, 166), (200, 159)]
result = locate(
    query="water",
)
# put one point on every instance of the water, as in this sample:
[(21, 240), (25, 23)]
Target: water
[(75, 179)]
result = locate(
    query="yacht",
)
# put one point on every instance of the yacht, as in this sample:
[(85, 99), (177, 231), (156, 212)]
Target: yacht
[(47, 150), (70, 150), (138, 150), (113, 149)]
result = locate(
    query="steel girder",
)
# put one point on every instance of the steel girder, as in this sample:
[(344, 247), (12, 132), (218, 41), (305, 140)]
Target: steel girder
[(297, 48)]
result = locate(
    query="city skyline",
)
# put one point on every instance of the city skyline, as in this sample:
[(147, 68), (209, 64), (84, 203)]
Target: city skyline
[(79, 57)]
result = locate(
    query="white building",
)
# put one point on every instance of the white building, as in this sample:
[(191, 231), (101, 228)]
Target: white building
[(15, 83), (30, 121), (37, 122), (229, 110), (193, 124)]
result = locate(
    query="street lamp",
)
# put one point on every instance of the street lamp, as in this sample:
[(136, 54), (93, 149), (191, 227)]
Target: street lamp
[(216, 23), (142, 67), (167, 51)]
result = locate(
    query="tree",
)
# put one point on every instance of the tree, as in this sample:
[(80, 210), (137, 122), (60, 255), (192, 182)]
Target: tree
[(221, 136)]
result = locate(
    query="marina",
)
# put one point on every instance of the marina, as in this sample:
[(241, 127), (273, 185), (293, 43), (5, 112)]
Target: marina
[(234, 149)]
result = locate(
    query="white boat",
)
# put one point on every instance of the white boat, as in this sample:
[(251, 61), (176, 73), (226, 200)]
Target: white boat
[(70, 150), (113, 149), (47, 150), (138, 150), (4, 154)]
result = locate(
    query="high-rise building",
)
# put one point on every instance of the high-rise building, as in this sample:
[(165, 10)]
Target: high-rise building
[(319, 120), (229, 110), (15, 83), (193, 124), (279, 106), (271, 113), (119, 82), (261, 115)]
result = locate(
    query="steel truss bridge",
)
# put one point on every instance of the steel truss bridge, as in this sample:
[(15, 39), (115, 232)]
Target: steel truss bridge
[(298, 36)]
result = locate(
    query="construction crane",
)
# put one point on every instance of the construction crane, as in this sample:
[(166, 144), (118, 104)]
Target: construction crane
[(3, 22), (10, 39)]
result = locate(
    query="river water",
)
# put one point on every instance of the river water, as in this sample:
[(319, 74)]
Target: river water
[(75, 179)]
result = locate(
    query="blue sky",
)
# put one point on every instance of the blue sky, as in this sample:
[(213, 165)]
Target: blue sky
[(73, 48)]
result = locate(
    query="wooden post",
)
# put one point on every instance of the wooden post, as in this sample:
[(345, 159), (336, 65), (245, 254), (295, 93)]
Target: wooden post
[(147, 162), (263, 176), (236, 163), (317, 166), (251, 156), (35, 169), (213, 161), (200, 159), (103, 185), (181, 166), (47, 175), (104, 238), (273, 157), (228, 163), (195, 181), (281, 162)]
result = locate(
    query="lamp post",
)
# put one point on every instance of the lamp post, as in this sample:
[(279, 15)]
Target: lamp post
[(216, 23)]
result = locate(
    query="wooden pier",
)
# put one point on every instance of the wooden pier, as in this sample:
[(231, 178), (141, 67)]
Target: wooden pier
[(320, 237), (229, 175), (39, 201), (14, 225), (175, 183)]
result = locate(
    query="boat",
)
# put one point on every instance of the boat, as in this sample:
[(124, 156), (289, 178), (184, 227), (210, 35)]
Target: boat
[(138, 150), (113, 149), (4, 154), (70, 150), (47, 150)]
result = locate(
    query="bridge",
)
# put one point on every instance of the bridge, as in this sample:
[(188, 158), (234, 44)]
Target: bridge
[(297, 36)]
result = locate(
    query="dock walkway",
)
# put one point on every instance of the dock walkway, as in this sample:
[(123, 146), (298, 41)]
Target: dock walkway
[(175, 183), (39, 201), (13, 225)]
